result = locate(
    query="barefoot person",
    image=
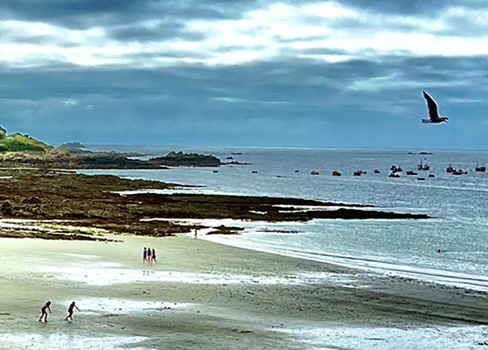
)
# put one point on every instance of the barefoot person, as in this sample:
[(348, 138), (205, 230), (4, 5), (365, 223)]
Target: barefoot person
[(47, 306), (144, 255), (154, 256), (71, 308)]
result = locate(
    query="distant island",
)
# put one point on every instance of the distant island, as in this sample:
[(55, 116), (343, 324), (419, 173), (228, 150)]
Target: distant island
[(23, 150), (421, 153), (72, 146)]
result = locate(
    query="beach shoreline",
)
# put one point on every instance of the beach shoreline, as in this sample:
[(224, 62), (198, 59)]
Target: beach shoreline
[(202, 295)]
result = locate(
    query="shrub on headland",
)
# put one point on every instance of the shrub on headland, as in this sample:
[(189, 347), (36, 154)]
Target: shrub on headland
[(18, 142)]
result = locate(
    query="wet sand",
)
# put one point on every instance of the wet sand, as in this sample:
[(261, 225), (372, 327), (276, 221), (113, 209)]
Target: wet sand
[(202, 295)]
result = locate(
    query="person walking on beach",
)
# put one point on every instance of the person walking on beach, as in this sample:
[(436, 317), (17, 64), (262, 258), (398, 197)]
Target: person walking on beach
[(71, 308), (47, 306), (154, 256), (144, 255), (196, 234), (149, 255)]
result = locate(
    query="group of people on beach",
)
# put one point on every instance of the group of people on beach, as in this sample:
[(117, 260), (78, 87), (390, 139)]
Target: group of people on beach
[(149, 256), (47, 307)]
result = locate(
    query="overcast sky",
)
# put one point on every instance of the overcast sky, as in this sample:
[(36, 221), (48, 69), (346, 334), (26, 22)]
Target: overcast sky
[(345, 73)]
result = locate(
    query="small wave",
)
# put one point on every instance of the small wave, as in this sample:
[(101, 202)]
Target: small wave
[(452, 278)]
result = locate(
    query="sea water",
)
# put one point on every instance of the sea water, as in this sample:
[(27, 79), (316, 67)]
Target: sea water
[(458, 205)]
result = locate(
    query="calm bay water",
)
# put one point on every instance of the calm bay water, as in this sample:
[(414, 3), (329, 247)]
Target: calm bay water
[(459, 205)]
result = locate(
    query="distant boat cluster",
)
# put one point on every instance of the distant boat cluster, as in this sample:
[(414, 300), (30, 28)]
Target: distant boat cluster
[(395, 170)]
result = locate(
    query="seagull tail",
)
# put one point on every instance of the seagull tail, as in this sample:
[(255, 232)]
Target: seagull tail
[(426, 121)]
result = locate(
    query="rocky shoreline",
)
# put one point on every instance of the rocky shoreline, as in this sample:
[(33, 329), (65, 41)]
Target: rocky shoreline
[(94, 202), (77, 159)]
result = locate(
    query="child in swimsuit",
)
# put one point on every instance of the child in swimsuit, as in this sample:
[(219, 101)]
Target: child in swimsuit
[(47, 306), (71, 308)]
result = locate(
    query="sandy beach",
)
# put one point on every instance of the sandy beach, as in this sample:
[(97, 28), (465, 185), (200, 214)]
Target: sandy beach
[(203, 295)]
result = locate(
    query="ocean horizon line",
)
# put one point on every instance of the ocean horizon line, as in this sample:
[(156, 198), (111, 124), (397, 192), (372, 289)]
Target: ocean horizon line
[(359, 149)]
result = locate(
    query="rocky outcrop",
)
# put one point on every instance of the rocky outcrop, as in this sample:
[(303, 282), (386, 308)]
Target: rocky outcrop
[(92, 201), (61, 158), (186, 159)]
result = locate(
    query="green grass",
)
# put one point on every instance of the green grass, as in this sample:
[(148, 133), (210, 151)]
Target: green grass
[(18, 142)]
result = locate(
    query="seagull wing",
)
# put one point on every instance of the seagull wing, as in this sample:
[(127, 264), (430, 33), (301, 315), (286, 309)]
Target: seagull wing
[(432, 106)]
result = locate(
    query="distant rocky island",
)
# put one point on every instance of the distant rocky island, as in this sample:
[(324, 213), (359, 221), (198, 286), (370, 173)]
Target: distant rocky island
[(22, 150), (422, 153), (73, 146)]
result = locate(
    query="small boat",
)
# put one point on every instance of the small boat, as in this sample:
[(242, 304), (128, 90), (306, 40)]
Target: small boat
[(314, 173), (431, 175), (423, 166), (336, 173), (480, 169), (411, 172), (297, 171), (459, 172), (449, 169), (394, 174), (215, 171), (254, 172), (396, 169), (376, 171), (421, 178), (357, 173)]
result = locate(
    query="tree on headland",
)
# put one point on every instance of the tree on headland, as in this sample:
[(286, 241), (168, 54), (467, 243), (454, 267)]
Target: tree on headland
[(3, 132)]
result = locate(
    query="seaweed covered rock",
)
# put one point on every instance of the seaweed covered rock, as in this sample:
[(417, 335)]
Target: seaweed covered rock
[(187, 159)]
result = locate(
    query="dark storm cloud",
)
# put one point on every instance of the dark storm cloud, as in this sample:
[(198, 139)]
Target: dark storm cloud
[(72, 14), (123, 20), (281, 88), (412, 7), (83, 13)]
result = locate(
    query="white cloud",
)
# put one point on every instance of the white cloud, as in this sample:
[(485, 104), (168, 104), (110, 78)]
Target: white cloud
[(248, 101), (399, 82), (273, 31), (69, 102), (466, 100)]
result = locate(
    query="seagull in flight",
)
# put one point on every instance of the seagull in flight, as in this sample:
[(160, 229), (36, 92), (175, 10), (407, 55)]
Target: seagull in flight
[(434, 116)]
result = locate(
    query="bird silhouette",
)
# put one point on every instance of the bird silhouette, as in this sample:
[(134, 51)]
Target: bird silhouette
[(434, 117)]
